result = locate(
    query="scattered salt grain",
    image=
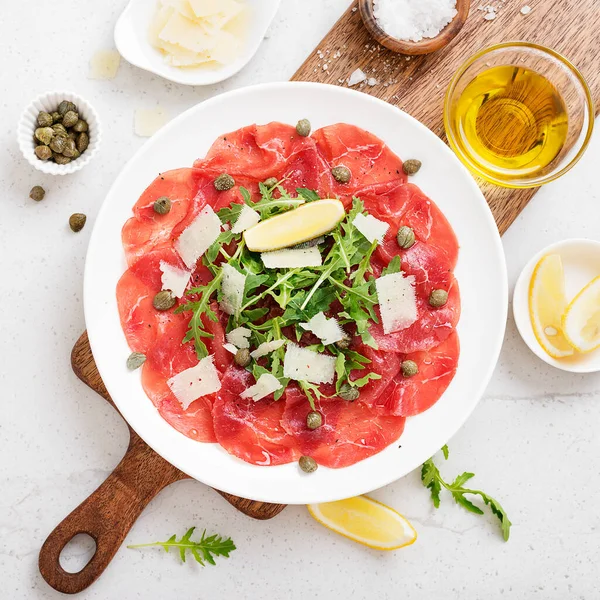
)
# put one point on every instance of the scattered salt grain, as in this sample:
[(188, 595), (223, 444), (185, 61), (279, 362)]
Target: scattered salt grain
[(526, 10), (414, 20), (372, 81), (489, 16), (325, 67), (357, 77)]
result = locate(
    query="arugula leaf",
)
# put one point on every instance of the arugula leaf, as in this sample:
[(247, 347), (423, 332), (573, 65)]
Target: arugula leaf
[(432, 479), (203, 550), (393, 267), (321, 301), (225, 237), (308, 195)]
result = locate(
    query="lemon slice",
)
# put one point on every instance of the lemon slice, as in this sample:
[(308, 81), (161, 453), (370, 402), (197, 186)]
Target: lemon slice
[(365, 521), (302, 224), (547, 303), (581, 321)]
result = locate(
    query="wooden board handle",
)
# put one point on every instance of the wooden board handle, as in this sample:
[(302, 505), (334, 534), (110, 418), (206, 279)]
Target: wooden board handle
[(107, 516)]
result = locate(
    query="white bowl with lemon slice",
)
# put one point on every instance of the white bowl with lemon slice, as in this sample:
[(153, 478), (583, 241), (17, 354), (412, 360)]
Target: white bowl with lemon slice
[(556, 305)]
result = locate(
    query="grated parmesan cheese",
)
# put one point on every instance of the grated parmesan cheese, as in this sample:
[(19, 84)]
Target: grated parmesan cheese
[(193, 383), (397, 301), (239, 337), (327, 330), (264, 386), (292, 258), (266, 348), (174, 279), (197, 238), (232, 288), (248, 217), (372, 228), (303, 364)]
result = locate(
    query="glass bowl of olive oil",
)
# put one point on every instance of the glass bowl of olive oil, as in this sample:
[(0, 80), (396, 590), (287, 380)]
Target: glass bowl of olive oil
[(518, 115)]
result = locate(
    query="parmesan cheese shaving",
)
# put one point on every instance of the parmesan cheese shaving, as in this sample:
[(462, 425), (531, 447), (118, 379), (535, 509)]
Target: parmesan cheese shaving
[(264, 386), (248, 217), (397, 301), (291, 259), (193, 383), (266, 348), (230, 348), (239, 337), (199, 236), (372, 228), (232, 288), (327, 330), (174, 279), (303, 364)]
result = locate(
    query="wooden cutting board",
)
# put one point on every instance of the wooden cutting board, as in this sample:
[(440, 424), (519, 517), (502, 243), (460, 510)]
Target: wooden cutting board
[(417, 84)]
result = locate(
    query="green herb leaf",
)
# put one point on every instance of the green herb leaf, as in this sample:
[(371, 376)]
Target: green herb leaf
[(393, 267), (308, 195), (203, 550), (432, 479)]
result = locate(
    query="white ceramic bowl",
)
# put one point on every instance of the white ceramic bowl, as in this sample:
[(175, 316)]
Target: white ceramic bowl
[(581, 262), (131, 39), (48, 102), (480, 266)]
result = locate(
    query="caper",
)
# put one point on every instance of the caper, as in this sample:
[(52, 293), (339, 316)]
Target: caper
[(162, 206), (59, 128), (438, 298), (303, 127), (341, 174), (37, 193), (81, 126), (43, 152), (348, 392), (70, 118), (44, 119), (412, 166), (164, 300), (76, 154), (224, 182), (70, 148), (242, 357), (82, 141), (56, 117), (271, 182), (314, 420), (135, 360), (65, 106), (58, 144), (405, 237), (77, 221), (308, 464), (344, 343), (409, 368), (72, 135), (59, 159), (44, 134)]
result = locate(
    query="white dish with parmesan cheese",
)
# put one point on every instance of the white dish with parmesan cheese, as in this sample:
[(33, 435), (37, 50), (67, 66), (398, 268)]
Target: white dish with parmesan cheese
[(185, 41)]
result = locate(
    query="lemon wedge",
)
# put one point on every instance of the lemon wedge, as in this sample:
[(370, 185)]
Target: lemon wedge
[(547, 304), (365, 521), (302, 224), (581, 321)]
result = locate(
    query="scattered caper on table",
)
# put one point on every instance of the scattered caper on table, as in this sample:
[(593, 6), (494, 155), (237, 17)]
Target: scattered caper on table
[(308, 464), (37, 193), (341, 174), (242, 357), (348, 392), (412, 166), (409, 368), (162, 205), (77, 221), (164, 300), (405, 237), (303, 128), (135, 360), (314, 420), (438, 298), (271, 182), (224, 182)]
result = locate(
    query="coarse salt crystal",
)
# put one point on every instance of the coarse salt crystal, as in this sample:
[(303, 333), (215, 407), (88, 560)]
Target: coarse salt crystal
[(372, 81), (490, 16), (414, 20), (358, 76), (526, 10)]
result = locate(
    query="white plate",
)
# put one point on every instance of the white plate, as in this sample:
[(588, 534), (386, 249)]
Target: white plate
[(131, 39), (581, 263), (480, 267)]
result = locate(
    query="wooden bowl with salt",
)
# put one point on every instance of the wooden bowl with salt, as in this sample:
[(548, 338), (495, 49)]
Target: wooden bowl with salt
[(426, 45)]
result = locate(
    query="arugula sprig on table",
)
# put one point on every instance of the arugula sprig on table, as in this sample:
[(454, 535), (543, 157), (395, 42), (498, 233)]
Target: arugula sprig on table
[(432, 479), (299, 293)]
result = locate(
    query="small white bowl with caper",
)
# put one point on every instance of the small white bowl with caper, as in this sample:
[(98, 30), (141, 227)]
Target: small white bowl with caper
[(59, 133)]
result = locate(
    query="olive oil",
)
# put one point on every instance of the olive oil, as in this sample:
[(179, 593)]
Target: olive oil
[(513, 122)]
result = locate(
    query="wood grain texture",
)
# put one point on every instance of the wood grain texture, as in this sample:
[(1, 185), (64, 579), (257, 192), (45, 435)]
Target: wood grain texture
[(426, 45), (417, 84), (110, 512)]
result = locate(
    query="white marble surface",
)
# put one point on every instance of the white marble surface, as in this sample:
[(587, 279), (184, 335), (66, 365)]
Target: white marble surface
[(532, 441)]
